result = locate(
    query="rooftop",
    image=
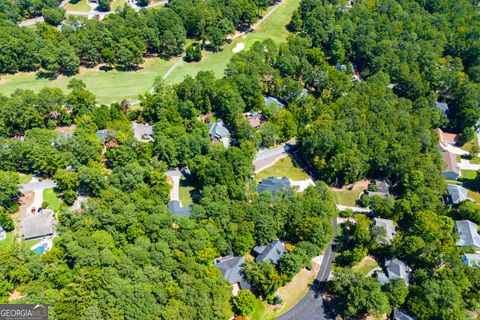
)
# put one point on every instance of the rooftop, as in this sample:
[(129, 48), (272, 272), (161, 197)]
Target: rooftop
[(401, 315), (451, 160), (383, 188), (442, 106), (273, 101), (467, 231), (394, 269), (456, 193), (386, 225), (39, 224), (471, 259), (273, 184), (272, 252), (231, 269), (142, 131), (217, 130)]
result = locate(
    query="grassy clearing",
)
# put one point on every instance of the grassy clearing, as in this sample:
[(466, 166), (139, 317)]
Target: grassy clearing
[(474, 195), (52, 199), (284, 167), (108, 86), (365, 265), (348, 197), (25, 178), (291, 294), (80, 6), (116, 4), (273, 27), (185, 192), (469, 174), (9, 240)]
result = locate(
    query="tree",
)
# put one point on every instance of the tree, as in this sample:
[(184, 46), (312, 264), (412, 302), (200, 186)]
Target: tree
[(194, 52), (396, 291), (143, 3), (264, 278), (244, 302), (104, 5), (53, 16), (9, 190)]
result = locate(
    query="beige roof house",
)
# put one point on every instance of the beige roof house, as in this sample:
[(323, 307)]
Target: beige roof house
[(39, 225), (452, 170)]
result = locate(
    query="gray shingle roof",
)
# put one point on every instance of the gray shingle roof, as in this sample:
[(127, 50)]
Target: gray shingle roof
[(467, 231), (393, 269), (217, 130), (386, 225), (142, 132), (231, 269), (273, 101), (273, 184), (383, 187), (272, 252), (39, 224), (456, 193), (175, 207), (471, 259), (401, 315), (442, 106)]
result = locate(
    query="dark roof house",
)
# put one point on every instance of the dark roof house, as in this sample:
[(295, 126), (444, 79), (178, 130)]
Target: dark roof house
[(456, 194), (443, 106), (273, 184), (217, 130), (103, 135), (467, 231), (393, 269), (175, 207), (231, 269), (39, 224), (382, 188), (272, 252)]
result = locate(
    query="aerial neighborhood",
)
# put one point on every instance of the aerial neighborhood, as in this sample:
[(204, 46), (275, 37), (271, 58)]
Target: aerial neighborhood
[(241, 160)]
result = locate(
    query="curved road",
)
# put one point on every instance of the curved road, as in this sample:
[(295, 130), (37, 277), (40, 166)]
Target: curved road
[(311, 306)]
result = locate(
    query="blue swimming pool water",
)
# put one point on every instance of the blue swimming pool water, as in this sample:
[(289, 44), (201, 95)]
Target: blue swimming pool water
[(41, 249)]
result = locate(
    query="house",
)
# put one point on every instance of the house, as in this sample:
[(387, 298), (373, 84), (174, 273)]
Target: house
[(401, 315), (175, 207), (271, 101), (3, 234), (142, 132), (218, 132), (467, 231), (273, 184), (445, 139), (272, 252), (471, 259), (456, 194), (442, 106), (231, 269), (254, 119), (387, 230), (452, 170), (103, 135), (381, 188), (39, 224), (394, 269)]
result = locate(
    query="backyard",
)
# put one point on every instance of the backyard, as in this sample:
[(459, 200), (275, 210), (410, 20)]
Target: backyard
[(80, 6), (349, 197), (185, 192), (284, 167)]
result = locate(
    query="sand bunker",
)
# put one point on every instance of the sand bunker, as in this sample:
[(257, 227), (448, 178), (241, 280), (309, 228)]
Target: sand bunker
[(239, 47)]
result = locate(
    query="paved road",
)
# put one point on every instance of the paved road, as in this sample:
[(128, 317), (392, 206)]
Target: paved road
[(311, 306), (354, 209), (267, 157), (40, 185)]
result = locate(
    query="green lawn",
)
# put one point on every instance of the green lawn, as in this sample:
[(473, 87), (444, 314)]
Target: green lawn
[(365, 266), (80, 6), (348, 197), (116, 4), (284, 167), (51, 197), (474, 195), (8, 241), (30, 243), (469, 174), (108, 86), (185, 192), (25, 178), (273, 27)]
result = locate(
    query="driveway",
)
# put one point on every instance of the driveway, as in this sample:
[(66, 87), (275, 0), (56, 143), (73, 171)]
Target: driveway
[(35, 185), (267, 157), (175, 176), (466, 165), (354, 209), (311, 306)]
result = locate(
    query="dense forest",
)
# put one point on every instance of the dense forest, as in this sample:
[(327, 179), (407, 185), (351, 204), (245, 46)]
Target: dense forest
[(125, 256)]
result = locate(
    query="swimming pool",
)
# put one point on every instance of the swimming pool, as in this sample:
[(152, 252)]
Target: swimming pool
[(41, 249)]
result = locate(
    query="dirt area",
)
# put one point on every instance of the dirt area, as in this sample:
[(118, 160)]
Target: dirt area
[(26, 201), (15, 295), (66, 129), (359, 184)]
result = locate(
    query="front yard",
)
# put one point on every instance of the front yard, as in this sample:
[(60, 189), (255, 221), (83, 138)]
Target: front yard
[(284, 167), (365, 266)]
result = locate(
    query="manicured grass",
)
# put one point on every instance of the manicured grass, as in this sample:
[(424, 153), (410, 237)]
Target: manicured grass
[(9, 240), (80, 6), (52, 199), (469, 174), (365, 266), (284, 167), (258, 311), (273, 27), (185, 192), (348, 197), (30, 243), (25, 178), (108, 86), (116, 4), (474, 195)]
